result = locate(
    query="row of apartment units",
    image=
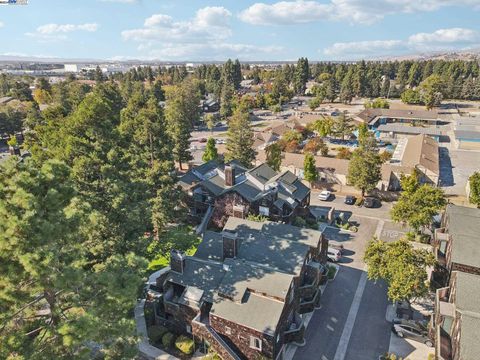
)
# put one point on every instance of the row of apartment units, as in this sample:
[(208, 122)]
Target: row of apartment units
[(244, 292), (456, 321)]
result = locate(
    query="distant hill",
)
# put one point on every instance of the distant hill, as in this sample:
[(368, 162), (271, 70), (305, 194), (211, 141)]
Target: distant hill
[(473, 54)]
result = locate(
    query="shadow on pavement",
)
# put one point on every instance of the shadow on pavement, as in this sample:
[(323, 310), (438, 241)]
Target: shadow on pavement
[(446, 174)]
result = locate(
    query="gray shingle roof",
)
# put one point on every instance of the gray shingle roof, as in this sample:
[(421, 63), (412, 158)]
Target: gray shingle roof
[(199, 274), (464, 228), (256, 312), (263, 173)]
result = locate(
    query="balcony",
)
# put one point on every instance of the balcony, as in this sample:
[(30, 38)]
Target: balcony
[(309, 303), (296, 331), (443, 344), (441, 234)]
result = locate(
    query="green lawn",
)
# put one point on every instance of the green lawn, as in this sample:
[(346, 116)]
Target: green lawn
[(181, 238)]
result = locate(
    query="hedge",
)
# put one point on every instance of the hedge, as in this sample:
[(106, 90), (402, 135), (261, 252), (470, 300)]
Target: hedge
[(156, 332), (185, 345), (168, 339)]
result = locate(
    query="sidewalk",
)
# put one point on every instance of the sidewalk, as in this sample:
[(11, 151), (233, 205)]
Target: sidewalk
[(406, 348)]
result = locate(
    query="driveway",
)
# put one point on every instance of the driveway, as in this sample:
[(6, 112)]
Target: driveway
[(351, 323), (337, 202)]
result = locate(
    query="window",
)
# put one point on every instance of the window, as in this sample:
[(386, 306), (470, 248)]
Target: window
[(255, 343), (189, 329), (228, 330), (263, 210)]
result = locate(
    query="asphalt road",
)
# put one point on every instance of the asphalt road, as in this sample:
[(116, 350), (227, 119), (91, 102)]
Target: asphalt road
[(351, 323)]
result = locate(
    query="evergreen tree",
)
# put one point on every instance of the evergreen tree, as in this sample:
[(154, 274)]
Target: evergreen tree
[(301, 76), (182, 112), (54, 305), (240, 140), (310, 172), (211, 152), (274, 156)]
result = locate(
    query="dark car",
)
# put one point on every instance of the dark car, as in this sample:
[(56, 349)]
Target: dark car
[(371, 202), (415, 330), (202, 140), (350, 200)]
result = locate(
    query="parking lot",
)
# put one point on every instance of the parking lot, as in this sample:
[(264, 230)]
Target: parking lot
[(353, 322)]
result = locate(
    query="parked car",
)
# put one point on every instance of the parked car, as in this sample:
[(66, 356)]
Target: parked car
[(324, 195), (202, 140), (333, 255), (337, 247), (350, 200), (371, 202), (415, 330)]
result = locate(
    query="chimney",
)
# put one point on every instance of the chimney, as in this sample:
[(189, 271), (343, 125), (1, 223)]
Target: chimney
[(177, 261), (229, 175), (230, 245)]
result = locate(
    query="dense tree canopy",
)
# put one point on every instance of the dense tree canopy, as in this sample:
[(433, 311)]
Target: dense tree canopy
[(401, 266), (418, 203)]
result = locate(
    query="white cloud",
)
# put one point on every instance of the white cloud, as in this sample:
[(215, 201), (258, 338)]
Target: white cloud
[(285, 12), (356, 11), (444, 36), (1, 24), (49, 32), (203, 37), (439, 40), (209, 23)]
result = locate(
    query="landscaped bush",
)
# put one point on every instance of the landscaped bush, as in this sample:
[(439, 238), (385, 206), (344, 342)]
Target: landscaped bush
[(298, 221), (156, 332), (312, 224), (168, 339), (185, 345), (359, 201), (331, 272), (390, 356)]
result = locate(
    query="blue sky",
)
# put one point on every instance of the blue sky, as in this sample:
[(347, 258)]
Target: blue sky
[(198, 30)]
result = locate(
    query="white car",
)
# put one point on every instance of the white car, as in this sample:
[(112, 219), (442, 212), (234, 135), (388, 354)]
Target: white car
[(334, 255), (324, 195)]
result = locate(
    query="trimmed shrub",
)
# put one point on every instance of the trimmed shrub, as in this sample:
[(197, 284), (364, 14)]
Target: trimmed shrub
[(156, 332), (331, 272), (185, 345), (168, 339)]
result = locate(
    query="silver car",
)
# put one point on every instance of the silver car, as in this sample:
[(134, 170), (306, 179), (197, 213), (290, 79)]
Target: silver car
[(415, 330)]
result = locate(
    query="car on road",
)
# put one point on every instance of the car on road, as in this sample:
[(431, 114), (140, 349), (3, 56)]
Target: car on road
[(333, 254), (202, 140), (324, 195), (350, 200), (371, 202), (415, 330), (220, 141)]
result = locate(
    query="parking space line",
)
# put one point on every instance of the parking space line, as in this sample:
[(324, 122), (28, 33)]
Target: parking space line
[(352, 315)]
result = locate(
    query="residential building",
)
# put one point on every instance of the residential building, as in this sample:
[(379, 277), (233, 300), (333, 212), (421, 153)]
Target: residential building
[(457, 242), (232, 190), (456, 321), (244, 291), (396, 124), (419, 152), (333, 171)]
